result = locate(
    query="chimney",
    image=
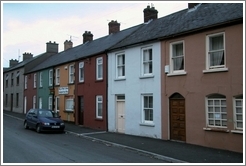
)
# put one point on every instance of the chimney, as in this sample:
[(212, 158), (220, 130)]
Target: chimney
[(192, 5), (13, 62), (114, 27), (150, 13), (27, 56), (68, 44), (52, 47), (87, 36)]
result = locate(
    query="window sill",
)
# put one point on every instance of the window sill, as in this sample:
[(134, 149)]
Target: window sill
[(120, 79), (99, 119), (237, 131), (216, 129), (147, 124), (177, 74), (215, 70), (146, 76), (68, 111), (71, 83)]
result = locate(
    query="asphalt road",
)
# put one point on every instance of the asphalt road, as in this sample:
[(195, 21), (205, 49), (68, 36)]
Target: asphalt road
[(27, 146)]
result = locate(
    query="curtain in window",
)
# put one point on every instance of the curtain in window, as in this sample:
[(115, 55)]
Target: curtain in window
[(217, 52), (178, 58)]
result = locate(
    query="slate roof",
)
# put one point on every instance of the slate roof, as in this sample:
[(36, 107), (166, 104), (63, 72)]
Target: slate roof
[(90, 48), (185, 21)]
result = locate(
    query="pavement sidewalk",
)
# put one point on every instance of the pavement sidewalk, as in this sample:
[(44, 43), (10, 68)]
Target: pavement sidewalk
[(169, 151)]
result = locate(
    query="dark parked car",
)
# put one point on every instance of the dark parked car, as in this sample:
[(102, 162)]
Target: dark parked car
[(43, 120)]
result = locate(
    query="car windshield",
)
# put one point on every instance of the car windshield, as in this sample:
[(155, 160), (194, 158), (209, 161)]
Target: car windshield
[(45, 114)]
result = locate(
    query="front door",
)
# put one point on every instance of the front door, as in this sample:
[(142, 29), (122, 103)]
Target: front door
[(177, 120), (81, 110), (120, 106)]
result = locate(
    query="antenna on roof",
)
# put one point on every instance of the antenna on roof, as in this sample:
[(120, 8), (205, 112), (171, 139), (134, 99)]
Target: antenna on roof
[(152, 5), (18, 55), (71, 37)]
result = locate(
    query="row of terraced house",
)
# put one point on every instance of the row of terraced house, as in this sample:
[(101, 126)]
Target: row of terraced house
[(179, 77)]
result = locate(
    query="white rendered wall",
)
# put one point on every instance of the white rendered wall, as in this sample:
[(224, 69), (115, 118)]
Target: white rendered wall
[(133, 87)]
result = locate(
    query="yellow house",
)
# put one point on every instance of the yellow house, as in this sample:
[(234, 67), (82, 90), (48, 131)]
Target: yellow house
[(64, 91)]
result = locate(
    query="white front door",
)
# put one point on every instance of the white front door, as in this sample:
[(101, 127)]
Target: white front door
[(25, 105), (121, 116)]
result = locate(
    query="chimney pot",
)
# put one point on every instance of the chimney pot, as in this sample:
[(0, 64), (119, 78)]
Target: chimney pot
[(13, 62), (150, 13), (52, 47), (114, 27), (68, 44), (27, 55), (87, 36)]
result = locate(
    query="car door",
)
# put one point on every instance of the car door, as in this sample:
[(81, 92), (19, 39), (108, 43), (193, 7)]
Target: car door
[(34, 118)]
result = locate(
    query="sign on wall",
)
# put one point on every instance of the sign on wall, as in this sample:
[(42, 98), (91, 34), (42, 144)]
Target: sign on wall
[(63, 90)]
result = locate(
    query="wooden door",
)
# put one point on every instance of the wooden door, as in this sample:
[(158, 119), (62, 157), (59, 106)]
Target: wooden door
[(121, 116), (81, 110), (177, 120)]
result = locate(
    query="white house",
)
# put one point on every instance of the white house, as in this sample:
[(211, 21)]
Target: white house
[(134, 91)]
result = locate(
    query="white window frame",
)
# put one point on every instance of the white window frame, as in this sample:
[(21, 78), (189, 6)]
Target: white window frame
[(216, 112), (99, 65), (6, 80), (25, 81), (208, 52), (40, 79), (99, 101), (50, 77), (148, 108), (236, 113), (69, 105), (81, 72), (148, 62), (172, 70), (57, 103), (50, 102), (120, 67), (34, 102), (40, 105), (58, 76), (35, 80), (71, 74), (18, 78)]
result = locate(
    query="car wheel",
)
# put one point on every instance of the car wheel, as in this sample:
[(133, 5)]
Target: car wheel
[(25, 125), (38, 129)]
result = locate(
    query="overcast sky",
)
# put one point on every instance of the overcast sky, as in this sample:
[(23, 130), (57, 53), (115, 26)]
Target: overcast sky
[(27, 27)]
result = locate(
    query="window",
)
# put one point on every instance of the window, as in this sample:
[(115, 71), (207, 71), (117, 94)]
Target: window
[(99, 69), (147, 109), (50, 103), (17, 78), (12, 79), (50, 77), (35, 80), (99, 106), (238, 112), (57, 104), (40, 102), (40, 79), (57, 76), (17, 99), (215, 51), (34, 102), (216, 111), (147, 68), (6, 79), (71, 74), (177, 57), (81, 72), (120, 65), (25, 82), (69, 104)]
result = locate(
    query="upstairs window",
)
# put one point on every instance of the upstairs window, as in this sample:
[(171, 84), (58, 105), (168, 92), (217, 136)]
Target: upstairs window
[(81, 72), (12, 79), (57, 76), (6, 80), (216, 51), (35, 80), (120, 60), (99, 68), (17, 78), (25, 81), (40, 79), (71, 74), (51, 77), (147, 63), (177, 57)]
